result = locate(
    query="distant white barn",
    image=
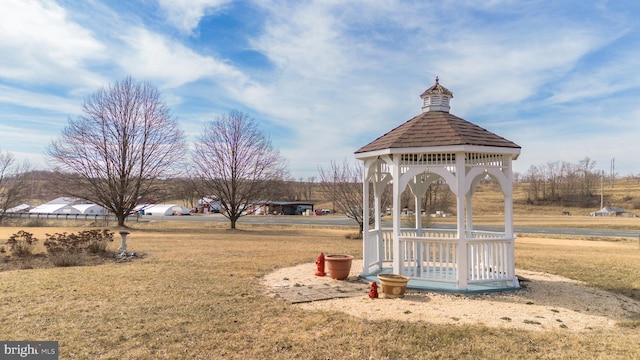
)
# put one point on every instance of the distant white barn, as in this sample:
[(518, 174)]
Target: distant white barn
[(20, 208), (608, 211), (69, 205), (90, 209), (65, 200), (54, 209), (166, 210)]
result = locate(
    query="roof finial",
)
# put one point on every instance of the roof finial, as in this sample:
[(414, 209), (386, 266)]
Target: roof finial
[(437, 79)]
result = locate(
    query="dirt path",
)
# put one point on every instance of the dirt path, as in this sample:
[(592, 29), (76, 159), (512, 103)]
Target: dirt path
[(545, 302)]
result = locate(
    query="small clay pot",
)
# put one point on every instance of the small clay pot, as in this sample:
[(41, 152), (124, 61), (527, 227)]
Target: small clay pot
[(393, 285)]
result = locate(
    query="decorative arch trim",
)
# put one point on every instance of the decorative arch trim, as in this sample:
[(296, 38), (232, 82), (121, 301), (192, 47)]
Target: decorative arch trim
[(476, 174), (442, 172)]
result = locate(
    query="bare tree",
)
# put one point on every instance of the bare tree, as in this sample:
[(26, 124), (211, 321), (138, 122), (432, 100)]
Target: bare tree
[(343, 184), (308, 187), (13, 183), (183, 189), (236, 162), (299, 190), (121, 147), (534, 178), (438, 197)]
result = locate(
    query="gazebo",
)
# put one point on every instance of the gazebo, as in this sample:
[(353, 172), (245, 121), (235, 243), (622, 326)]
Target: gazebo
[(437, 146)]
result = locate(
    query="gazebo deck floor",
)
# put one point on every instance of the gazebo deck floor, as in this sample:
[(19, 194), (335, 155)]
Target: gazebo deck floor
[(446, 287)]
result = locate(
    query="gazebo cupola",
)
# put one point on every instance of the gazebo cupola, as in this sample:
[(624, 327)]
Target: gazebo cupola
[(438, 147), (436, 98)]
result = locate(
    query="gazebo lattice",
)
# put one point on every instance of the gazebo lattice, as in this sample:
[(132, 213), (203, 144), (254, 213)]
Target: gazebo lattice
[(438, 146)]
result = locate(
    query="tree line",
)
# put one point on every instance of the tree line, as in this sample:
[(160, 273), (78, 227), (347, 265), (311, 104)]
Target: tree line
[(562, 183)]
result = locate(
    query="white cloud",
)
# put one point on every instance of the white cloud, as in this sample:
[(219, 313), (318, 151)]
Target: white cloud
[(45, 46), (25, 145), (38, 100), (616, 73), (153, 56), (186, 14)]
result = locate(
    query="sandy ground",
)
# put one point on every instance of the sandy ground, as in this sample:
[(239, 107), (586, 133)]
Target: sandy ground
[(545, 302)]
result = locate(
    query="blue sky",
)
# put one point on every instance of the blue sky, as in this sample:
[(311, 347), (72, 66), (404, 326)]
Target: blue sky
[(323, 78)]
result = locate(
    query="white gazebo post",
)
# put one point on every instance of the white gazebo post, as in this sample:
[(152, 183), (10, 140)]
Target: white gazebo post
[(365, 218), (397, 211), (461, 223), (508, 219)]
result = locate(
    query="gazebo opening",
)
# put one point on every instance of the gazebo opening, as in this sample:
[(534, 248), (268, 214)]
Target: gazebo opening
[(438, 148)]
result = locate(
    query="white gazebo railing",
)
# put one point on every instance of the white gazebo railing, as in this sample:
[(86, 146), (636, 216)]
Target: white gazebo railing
[(488, 260), (430, 258), (433, 255)]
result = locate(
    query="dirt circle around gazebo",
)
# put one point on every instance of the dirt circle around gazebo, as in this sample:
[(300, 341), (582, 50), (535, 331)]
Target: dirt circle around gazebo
[(544, 302)]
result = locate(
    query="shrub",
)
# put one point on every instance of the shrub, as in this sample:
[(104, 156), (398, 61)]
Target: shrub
[(97, 240), (64, 249), (68, 249), (64, 259), (21, 243), (62, 243)]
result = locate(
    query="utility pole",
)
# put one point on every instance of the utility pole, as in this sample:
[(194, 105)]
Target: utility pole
[(613, 171), (602, 190)]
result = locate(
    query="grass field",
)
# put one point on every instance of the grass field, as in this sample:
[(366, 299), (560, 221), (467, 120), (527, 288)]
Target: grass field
[(196, 294)]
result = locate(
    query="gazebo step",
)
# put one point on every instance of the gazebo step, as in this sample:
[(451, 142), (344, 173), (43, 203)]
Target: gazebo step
[(448, 287)]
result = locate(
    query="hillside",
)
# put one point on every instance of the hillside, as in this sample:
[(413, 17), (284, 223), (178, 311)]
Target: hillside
[(487, 200)]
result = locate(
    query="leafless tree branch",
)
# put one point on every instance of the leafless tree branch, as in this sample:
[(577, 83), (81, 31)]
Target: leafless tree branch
[(343, 184), (13, 183)]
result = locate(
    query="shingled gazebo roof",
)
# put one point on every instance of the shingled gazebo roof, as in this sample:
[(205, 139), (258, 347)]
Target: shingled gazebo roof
[(436, 128)]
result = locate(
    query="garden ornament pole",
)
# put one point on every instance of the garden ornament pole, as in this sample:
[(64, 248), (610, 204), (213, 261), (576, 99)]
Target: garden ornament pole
[(123, 245)]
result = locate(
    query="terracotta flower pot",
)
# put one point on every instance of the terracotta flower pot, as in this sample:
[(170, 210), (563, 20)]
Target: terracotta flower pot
[(338, 266), (393, 285)]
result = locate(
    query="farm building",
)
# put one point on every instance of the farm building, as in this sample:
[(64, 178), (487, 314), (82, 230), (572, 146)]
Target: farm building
[(65, 200), (54, 209), (209, 205), (280, 207), (611, 211), (166, 210), (141, 208), (90, 209), (19, 209), (68, 205)]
